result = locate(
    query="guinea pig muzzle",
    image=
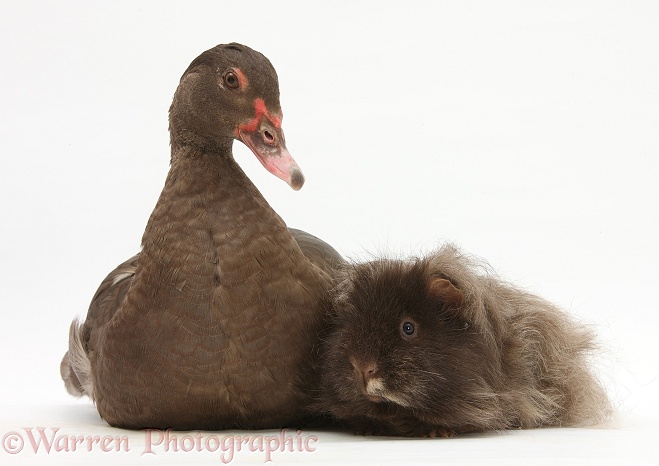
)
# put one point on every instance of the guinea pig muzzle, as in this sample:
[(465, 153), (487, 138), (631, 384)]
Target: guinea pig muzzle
[(369, 383)]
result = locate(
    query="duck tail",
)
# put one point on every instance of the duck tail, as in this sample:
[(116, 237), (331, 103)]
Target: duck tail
[(75, 367)]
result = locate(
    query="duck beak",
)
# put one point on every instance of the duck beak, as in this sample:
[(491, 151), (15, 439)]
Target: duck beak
[(264, 136), (267, 142)]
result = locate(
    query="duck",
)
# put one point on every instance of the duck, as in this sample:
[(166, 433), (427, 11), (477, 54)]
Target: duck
[(213, 325)]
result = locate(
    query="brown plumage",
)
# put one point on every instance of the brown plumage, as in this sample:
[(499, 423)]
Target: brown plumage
[(439, 345), (213, 324)]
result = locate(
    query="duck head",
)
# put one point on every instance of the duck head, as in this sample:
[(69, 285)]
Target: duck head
[(232, 92)]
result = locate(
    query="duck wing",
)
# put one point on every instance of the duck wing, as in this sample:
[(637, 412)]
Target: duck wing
[(75, 367), (318, 251), (84, 337)]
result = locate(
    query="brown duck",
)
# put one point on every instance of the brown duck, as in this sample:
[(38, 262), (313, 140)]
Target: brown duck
[(213, 324)]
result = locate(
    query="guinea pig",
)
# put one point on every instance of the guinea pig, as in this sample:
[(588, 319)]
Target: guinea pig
[(439, 345)]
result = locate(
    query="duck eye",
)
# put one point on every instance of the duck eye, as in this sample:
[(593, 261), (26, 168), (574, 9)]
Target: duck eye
[(408, 328), (231, 80)]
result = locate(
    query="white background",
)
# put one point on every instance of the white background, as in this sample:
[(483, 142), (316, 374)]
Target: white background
[(526, 132)]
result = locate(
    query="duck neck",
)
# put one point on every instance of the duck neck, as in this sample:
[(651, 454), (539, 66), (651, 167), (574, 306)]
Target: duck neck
[(211, 226)]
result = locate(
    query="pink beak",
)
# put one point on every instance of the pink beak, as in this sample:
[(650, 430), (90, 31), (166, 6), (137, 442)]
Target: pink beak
[(264, 136)]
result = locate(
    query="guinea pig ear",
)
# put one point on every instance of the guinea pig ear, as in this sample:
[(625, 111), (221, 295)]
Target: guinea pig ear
[(447, 292)]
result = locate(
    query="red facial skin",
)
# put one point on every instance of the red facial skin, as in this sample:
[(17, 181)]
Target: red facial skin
[(264, 136)]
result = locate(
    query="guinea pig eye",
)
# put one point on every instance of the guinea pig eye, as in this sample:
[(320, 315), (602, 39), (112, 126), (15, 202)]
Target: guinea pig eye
[(408, 328), (231, 80)]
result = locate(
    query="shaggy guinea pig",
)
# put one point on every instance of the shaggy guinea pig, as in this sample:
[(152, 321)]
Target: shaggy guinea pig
[(440, 345)]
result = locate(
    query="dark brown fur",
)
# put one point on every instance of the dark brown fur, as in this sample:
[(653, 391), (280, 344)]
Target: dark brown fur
[(484, 355)]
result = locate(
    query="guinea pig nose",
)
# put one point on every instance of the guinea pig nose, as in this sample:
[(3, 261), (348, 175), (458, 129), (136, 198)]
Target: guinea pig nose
[(369, 371), (365, 370)]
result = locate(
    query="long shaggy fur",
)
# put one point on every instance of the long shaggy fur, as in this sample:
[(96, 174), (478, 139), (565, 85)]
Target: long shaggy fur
[(544, 352), (501, 358)]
